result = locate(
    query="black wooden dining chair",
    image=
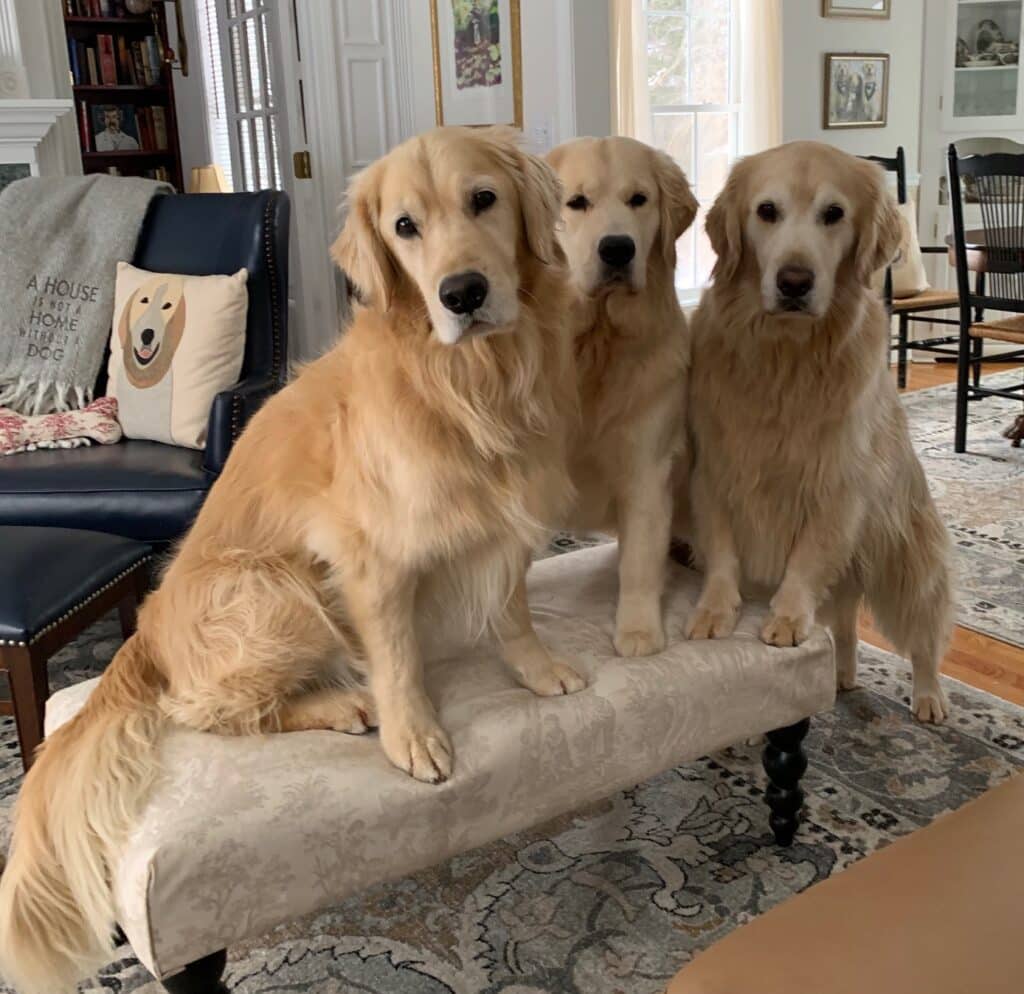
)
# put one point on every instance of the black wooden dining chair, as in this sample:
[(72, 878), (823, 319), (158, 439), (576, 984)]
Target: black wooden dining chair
[(999, 182), (921, 306)]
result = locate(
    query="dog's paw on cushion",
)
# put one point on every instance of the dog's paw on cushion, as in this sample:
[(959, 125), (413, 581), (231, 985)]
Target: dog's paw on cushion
[(177, 342)]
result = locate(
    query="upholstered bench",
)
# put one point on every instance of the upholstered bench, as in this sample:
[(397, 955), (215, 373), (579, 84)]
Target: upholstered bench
[(243, 833), (938, 911), (55, 582)]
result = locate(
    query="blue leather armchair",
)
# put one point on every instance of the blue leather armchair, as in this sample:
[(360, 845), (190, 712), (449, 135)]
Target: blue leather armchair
[(146, 490)]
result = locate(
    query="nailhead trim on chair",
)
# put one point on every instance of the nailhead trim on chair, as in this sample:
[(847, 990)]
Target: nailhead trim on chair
[(275, 302), (269, 218), (67, 614)]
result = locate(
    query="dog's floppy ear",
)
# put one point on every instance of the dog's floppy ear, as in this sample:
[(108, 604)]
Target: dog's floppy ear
[(126, 311), (540, 194), (360, 250), (725, 229), (540, 190), (880, 231), (678, 204)]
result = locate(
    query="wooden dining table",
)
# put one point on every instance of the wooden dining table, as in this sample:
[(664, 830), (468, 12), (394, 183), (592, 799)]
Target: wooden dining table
[(976, 243)]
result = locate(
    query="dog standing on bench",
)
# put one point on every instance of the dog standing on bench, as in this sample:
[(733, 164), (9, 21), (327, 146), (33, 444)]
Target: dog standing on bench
[(404, 477), (625, 205), (805, 481)]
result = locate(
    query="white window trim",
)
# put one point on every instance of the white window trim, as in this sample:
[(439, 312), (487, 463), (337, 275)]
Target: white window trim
[(688, 291)]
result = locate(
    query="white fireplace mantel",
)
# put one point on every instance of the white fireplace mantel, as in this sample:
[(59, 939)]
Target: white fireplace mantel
[(23, 126)]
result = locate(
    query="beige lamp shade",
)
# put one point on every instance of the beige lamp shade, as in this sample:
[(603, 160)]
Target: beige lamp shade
[(208, 179)]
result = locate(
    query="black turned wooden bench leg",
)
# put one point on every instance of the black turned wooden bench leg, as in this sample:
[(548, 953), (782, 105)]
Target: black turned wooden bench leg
[(201, 977), (785, 761)]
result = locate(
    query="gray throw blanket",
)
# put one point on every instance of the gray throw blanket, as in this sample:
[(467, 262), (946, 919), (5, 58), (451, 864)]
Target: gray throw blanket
[(60, 241)]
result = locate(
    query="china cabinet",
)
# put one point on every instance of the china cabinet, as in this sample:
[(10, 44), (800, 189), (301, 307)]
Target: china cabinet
[(984, 85)]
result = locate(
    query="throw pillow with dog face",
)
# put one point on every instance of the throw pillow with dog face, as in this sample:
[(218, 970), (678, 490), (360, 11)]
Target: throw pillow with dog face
[(177, 342)]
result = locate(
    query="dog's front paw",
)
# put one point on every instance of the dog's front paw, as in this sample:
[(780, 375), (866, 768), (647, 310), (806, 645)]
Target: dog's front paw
[(418, 745), (711, 622), (787, 630), (555, 678), (635, 641), (929, 703)]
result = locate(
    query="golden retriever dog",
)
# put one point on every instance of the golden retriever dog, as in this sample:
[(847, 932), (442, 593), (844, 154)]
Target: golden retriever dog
[(404, 477), (805, 483), (624, 206)]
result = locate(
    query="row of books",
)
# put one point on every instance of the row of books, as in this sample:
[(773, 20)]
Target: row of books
[(160, 173), (115, 61), (95, 8), (122, 128)]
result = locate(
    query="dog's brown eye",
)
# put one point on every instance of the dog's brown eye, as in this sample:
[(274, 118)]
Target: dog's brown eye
[(578, 203), (768, 212), (143, 300), (166, 307), (405, 227), (833, 214), (637, 200), (483, 199)]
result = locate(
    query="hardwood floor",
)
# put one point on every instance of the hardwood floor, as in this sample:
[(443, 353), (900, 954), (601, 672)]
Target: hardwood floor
[(976, 659), (921, 375)]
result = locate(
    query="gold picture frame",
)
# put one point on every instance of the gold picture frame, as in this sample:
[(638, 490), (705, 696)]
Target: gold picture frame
[(836, 8), (471, 109), (847, 101)]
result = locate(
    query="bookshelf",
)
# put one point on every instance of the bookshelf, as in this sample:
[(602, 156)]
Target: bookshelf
[(123, 89)]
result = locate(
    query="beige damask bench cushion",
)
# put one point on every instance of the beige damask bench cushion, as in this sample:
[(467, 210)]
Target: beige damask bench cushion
[(244, 833)]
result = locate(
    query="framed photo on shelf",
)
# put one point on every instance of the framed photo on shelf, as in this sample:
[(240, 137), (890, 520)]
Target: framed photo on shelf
[(855, 8), (478, 76), (856, 90), (115, 128)]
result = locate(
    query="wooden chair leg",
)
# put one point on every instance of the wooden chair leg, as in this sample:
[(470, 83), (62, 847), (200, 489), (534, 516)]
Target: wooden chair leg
[(901, 352), (128, 606), (977, 346), (963, 363), (30, 688)]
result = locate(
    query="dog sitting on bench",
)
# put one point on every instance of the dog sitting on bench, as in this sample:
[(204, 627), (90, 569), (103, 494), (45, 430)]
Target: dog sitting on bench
[(405, 476)]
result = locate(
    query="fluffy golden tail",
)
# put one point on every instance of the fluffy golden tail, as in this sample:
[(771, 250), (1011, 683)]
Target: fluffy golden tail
[(76, 807)]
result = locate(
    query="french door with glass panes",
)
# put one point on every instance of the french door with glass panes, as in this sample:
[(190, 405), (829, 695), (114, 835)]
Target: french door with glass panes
[(261, 62)]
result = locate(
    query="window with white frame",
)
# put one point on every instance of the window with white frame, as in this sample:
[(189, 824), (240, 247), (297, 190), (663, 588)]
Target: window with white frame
[(236, 40), (213, 85), (693, 86)]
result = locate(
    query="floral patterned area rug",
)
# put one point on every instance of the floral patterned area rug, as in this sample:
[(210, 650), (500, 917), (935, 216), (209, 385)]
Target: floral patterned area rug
[(617, 897), (981, 497)]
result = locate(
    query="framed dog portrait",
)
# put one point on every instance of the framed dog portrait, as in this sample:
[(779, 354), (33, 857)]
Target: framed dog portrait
[(855, 8), (478, 76), (856, 90)]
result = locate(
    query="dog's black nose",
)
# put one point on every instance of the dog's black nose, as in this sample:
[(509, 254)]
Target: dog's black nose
[(794, 281), (616, 250), (464, 293), (147, 336)]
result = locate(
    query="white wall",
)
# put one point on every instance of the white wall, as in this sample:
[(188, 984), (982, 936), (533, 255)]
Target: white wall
[(807, 36), (593, 67), (190, 96)]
